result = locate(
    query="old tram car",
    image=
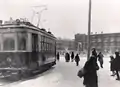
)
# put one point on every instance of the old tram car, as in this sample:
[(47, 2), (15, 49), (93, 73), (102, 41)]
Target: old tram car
[(25, 48)]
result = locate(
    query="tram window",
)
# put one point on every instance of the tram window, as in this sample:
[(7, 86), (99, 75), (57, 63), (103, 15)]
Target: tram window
[(9, 41), (41, 38), (40, 43), (22, 39), (44, 38), (42, 46), (47, 46), (0, 41)]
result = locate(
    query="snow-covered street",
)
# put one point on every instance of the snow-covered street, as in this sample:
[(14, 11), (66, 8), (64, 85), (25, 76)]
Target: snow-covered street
[(65, 75)]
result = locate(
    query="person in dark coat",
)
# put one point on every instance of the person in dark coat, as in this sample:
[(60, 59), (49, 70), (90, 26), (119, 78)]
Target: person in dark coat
[(72, 57), (67, 57), (94, 53), (116, 65), (111, 66), (58, 56), (100, 59), (90, 77), (77, 59)]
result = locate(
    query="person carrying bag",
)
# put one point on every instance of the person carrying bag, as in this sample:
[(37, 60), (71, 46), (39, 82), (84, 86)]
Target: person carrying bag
[(81, 72), (89, 72)]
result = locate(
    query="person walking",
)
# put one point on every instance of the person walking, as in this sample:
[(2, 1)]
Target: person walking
[(58, 56), (116, 65), (67, 57), (90, 77), (111, 66), (94, 53), (72, 57), (77, 59), (100, 59)]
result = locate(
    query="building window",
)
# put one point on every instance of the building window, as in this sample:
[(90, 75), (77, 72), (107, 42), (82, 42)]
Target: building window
[(112, 39), (99, 40), (112, 44), (106, 39), (118, 39)]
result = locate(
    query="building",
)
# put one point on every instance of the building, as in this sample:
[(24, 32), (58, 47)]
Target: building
[(105, 42), (80, 42), (63, 45)]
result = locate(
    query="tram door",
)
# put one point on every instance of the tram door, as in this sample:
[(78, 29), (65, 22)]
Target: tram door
[(35, 47)]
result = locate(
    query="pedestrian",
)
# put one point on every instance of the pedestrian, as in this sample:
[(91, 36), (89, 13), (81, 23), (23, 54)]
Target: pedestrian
[(67, 57), (90, 77), (77, 59), (72, 57), (58, 56), (111, 66), (116, 65), (94, 53), (100, 59)]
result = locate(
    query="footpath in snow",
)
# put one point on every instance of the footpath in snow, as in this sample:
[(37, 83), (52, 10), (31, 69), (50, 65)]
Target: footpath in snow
[(65, 75)]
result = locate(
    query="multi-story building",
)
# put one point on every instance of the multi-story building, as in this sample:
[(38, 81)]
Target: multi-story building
[(65, 45), (105, 42), (80, 42)]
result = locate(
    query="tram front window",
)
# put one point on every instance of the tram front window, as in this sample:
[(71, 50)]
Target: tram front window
[(9, 41), (22, 40)]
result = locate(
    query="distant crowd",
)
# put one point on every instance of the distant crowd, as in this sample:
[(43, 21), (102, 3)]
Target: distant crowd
[(69, 57), (89, 71)]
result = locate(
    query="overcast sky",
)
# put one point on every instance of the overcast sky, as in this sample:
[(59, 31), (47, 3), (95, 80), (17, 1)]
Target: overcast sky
[(66, 17)]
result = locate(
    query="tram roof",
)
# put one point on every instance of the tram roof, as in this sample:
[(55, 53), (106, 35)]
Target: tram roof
[(24, 25)]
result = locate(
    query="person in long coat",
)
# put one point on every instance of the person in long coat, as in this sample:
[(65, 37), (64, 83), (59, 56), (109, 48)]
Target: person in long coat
[(58, 56), (90, 77), (72, 56), (100, 59), (77, 59), (116, 65), (94, 53), (111, 66), (67, 57)]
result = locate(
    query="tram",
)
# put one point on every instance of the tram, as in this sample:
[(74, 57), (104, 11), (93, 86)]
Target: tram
[(25, 48)]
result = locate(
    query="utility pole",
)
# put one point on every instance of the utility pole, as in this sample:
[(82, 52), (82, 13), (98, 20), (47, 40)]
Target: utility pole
[(89, 30)]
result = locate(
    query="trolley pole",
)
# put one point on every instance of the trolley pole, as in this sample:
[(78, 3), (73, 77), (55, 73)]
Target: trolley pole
[(39, 16), (39, 13), (89, 30)]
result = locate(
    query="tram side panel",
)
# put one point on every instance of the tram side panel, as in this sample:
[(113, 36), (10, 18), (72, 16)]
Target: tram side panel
[(42, 54)]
